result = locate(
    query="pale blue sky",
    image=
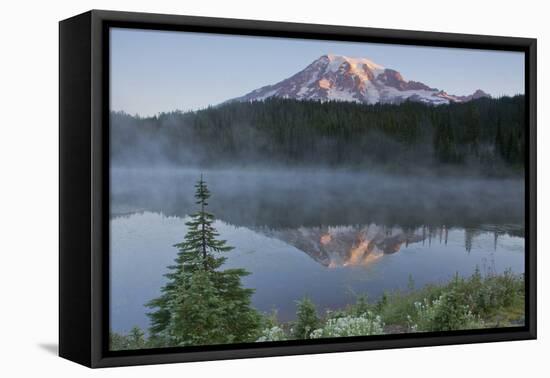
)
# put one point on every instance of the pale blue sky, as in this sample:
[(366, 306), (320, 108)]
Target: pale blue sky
[(156, 71)]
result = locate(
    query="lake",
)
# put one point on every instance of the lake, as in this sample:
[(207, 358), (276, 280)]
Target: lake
[(330, 235)]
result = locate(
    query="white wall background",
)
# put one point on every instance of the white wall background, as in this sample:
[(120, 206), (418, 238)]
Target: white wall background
[(29, 186)]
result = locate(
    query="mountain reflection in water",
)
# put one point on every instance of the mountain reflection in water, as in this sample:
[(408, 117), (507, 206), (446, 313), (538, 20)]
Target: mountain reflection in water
[(346, 245), (330, 265), (326, 235)]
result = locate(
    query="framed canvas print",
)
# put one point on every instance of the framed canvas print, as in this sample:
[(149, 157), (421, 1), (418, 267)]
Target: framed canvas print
[(234, 188)]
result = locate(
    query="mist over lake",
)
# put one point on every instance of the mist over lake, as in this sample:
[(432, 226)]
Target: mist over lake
[(329, 234)]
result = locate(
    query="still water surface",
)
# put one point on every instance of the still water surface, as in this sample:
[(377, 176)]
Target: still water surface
[(327, 235)]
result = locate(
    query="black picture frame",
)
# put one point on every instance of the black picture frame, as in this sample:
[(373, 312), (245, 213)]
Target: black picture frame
[(84, 187)]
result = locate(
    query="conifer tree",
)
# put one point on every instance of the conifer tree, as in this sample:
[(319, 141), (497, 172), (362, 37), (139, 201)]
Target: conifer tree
[(133, 340), (499, 140), (198, 249), (201, 304), (307, 320), (136, 338), (444, 142)]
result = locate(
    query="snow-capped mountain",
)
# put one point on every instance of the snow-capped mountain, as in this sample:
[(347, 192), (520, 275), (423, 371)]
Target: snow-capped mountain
[(336, 77)]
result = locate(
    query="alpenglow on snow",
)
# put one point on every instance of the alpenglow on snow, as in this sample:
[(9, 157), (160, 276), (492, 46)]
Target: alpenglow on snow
[(341, 78)]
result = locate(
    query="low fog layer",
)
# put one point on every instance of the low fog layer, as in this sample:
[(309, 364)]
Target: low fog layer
[(315, 197), (484, 137), (286, 163)]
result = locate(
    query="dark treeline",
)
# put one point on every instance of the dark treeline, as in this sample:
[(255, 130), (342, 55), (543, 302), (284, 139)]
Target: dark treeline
[(488, 134)]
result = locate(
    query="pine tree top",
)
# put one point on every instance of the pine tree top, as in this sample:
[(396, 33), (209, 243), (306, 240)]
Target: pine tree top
[(202, 193)]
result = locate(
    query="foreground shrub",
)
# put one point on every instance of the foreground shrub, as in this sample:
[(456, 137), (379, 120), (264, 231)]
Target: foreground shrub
[(272, 334), (133, 340), (448, 312), (495, 292), (307, 319), (364, 325)]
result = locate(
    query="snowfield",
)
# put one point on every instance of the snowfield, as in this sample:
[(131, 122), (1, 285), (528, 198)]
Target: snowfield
[(342, 78)]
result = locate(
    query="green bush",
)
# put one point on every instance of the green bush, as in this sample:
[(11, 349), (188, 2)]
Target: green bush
[(274, 333), (496, 292), (448, 312), (365, 325), (134, 340), (307, 319)]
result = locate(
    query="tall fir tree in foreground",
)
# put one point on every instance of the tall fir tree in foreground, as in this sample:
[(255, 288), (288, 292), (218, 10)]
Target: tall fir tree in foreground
[(201, 304)]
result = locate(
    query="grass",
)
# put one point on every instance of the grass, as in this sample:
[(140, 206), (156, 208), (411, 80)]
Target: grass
[(491, 301)]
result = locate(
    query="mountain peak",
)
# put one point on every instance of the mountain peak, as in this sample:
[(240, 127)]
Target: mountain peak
[(337, 60), (480, 93), (341, 78)]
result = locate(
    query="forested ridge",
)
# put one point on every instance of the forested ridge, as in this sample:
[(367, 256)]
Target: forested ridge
[(486, 134)]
